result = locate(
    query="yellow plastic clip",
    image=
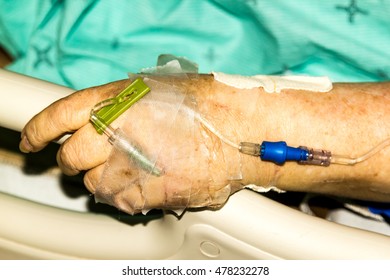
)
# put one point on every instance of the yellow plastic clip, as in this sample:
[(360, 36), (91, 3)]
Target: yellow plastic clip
[(120, 104)]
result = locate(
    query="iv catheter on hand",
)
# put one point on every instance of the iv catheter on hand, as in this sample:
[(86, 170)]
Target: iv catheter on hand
[(279, 153), (105, 112)]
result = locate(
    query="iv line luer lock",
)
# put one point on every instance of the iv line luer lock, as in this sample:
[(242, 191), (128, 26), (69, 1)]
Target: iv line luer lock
[(279, 153)]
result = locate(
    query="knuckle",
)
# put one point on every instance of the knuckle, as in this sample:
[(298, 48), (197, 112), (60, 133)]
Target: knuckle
[(90, 182), (92, 178), (69, 158), (61, 113), (33, 133)]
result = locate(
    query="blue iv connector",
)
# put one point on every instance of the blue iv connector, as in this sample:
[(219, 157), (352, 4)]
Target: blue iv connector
[(279, 153)]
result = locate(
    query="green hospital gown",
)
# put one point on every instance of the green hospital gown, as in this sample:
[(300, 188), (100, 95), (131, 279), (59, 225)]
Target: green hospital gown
[(89, 42)]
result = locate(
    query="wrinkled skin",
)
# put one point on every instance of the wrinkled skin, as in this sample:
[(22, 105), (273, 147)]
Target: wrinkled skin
[(180, 145), (190, 157)]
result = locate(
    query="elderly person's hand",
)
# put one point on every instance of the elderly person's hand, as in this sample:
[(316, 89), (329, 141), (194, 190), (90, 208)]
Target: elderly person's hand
[(191, 158), (202, 170)]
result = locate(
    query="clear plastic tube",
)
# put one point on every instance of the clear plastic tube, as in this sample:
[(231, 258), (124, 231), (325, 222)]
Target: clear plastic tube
[(217, 133), (345, 160), (190, 112), (120, 141)]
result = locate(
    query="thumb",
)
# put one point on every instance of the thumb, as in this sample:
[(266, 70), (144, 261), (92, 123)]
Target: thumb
[(65, 116)]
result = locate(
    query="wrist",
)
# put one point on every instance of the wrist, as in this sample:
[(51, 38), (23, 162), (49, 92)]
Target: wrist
[(350, 119)]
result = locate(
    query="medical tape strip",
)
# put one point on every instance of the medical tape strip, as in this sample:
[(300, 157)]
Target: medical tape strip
[(181, 122), (213, 190), (197, 155), (162, 98), (244, 111)]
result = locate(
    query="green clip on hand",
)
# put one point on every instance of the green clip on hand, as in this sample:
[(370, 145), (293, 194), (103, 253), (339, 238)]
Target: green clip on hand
[(109, 110), (105, 112)]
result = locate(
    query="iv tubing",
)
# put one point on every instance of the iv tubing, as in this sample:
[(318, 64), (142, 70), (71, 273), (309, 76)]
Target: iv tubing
[(189, 112), (338, 159)]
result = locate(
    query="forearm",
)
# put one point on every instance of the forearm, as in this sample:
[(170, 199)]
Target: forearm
[(349, 120)]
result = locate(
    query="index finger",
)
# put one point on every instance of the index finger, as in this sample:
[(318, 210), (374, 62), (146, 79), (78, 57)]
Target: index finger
[(65, 116)]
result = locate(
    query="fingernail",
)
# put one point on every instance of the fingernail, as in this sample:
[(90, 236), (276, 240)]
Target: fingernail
[(25, 145)]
